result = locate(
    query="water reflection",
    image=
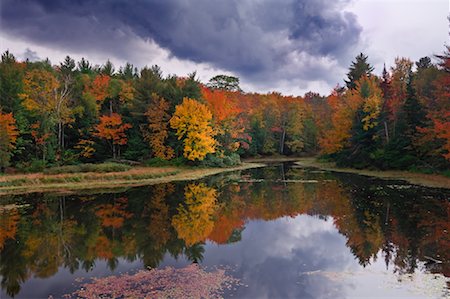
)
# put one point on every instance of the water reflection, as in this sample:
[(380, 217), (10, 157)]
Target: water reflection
[(279, 226)]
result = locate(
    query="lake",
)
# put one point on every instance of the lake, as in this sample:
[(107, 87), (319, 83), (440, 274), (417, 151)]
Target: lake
[(282, 231)]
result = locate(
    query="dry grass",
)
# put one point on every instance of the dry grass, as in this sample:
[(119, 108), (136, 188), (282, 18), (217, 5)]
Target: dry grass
[(138, 176), (427, 180)]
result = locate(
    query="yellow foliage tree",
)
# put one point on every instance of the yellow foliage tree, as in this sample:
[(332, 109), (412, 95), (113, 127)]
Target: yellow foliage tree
[(192, 120), (371, 95), (194, 222), (48, 98)]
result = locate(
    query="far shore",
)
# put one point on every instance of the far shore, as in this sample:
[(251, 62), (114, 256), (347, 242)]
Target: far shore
[(422, 179)]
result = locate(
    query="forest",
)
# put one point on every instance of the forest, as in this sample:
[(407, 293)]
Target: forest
[(76, 112)]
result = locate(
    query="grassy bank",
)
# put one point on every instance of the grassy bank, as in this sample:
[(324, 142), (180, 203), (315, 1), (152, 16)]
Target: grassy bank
[(427, 180), (134, 176)]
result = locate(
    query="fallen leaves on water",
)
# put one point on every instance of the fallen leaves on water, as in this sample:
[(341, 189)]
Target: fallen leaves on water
[(189, 282)]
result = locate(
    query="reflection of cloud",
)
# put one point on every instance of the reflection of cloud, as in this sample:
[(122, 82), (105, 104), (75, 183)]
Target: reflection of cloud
[(274, 254)]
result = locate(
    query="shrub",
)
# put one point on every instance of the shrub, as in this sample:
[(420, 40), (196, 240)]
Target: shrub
[(215, 161), (36, 166)]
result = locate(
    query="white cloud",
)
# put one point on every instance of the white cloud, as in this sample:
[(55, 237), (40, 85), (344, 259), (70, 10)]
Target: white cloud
[(404, 28)]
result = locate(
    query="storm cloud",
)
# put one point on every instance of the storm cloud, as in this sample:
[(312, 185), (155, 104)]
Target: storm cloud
[(261, 40)]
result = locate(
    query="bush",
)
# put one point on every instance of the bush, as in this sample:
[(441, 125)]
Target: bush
[(214, 161), (232, 160), (35, 166)]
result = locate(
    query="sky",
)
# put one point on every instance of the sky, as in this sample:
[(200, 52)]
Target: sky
[(289, 46)]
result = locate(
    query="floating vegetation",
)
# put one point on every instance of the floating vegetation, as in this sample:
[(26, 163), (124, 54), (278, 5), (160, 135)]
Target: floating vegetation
[(188, 282), (399, 187), (251, 181), (318, 171), (299, 181)]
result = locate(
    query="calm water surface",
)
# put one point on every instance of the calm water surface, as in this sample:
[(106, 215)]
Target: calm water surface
[(284, 231)]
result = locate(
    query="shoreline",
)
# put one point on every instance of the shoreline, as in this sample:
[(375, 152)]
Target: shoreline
[(35, 183), (421, 179), (71, 183)]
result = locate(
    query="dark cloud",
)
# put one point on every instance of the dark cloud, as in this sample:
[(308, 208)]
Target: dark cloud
[(264, 40)]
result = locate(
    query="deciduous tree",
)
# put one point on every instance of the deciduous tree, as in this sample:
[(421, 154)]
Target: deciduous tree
[(156, 130), (192, 120), (8, 137), (112, 129)]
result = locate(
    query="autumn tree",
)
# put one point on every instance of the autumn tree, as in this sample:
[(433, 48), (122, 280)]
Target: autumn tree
[(49, 98), (343, 110), (98, 89), (365, 131), (8, 137), (112, 129), (227, 118), (155, 132), (192, 121), (401, 72), (435, 139)]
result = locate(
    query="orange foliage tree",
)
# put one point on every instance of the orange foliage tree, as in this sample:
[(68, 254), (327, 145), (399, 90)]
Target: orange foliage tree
[(439, 110), (98, 89), (8, 137), (229, 125), (155, 132), (113, 130)]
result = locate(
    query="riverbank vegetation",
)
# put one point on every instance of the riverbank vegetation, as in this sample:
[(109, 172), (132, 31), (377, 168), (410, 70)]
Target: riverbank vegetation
[(103, 177), (75, 113)]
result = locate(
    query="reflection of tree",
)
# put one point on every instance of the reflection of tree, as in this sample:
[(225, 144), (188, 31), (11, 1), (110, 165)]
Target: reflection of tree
[(155, 233), (194, 222), (159, 225), (9, 220), (13, 267), (74, 232), (113, 215), (195, 252)]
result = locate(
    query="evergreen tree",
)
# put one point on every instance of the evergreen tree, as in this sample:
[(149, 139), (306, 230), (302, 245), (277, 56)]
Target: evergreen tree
[(108, 69), (359, 68), (84, 66)]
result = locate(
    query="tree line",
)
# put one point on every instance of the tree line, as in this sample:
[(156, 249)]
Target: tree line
[(78, 112)]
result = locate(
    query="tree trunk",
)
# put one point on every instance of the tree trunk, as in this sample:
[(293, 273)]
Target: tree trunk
[(386, 131), (59, 136), (283, 136)]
